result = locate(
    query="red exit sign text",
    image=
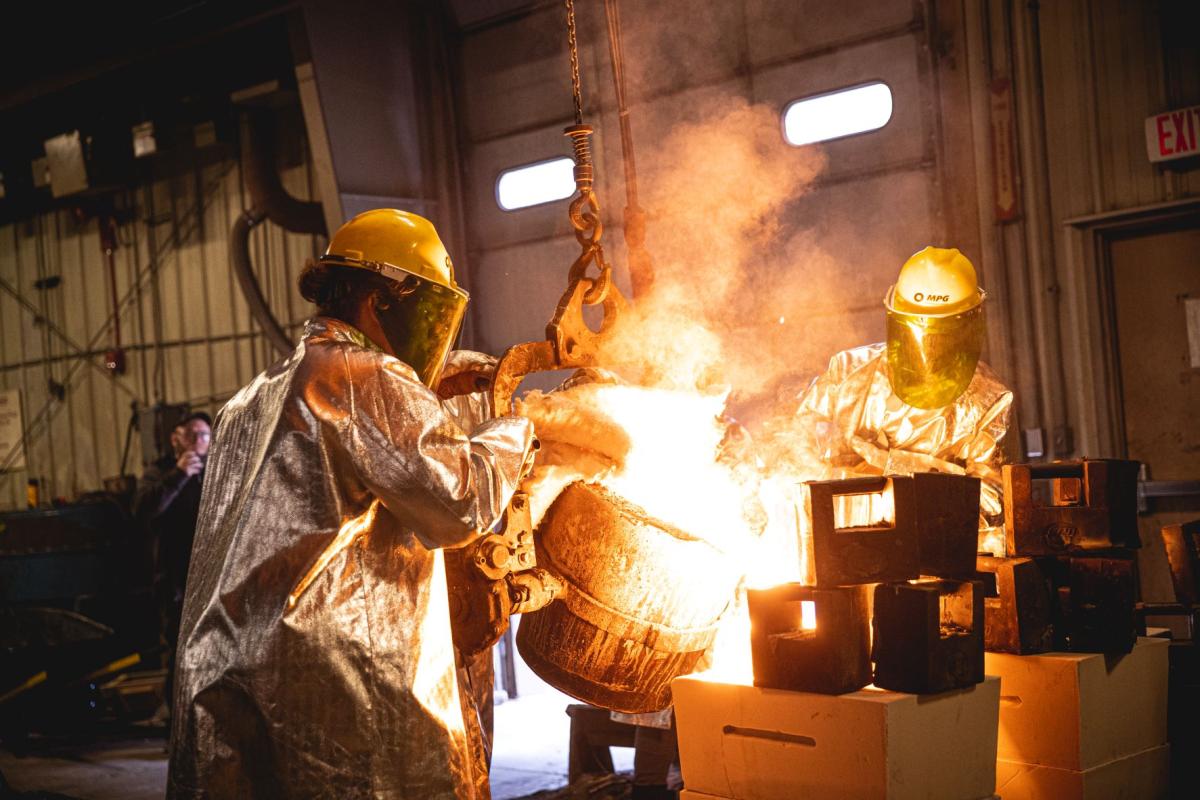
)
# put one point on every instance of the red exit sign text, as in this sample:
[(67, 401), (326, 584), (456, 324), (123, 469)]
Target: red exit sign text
[(1173, 134)]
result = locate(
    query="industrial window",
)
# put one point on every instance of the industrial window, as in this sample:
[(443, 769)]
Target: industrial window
[(845, 112), (534, 184)]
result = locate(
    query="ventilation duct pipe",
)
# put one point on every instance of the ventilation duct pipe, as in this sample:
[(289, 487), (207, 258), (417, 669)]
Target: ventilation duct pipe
[(270, 201)]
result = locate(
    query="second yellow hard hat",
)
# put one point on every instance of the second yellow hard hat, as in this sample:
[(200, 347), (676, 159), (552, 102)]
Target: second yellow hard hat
[(935, 282)]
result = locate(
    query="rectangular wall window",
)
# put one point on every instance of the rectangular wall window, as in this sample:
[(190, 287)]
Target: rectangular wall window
[(534, 184), (833, 115)]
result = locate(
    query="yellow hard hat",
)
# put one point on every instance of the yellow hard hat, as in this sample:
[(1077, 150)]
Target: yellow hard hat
[(936, 282), (389, 237), (406, 248), (935, 327)]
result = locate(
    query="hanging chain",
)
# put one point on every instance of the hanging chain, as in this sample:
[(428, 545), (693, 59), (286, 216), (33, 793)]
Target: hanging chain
[(576, 89), (585, 208)]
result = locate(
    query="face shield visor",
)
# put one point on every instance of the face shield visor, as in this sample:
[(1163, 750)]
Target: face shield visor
[(931, 359), (420, 318)]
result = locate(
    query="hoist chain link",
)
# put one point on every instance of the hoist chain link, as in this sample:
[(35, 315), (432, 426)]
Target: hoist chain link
[(602, 283), (585, 218), (585, 208)]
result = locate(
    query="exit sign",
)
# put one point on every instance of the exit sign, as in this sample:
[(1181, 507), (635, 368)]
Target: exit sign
[(1173, 134)]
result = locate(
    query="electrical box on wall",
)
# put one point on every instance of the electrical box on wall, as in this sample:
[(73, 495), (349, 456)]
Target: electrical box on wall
[(65, 159), (144, 143)]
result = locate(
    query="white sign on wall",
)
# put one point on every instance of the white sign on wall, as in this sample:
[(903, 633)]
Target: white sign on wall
[(12, 442), (1173, 134)]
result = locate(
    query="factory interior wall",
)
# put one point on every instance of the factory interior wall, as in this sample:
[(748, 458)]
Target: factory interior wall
[(1085, 74), (929, 176), (185, 327), (842, 234)]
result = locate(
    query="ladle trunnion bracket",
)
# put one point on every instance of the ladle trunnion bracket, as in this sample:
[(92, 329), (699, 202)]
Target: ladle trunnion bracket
[(494, 578)]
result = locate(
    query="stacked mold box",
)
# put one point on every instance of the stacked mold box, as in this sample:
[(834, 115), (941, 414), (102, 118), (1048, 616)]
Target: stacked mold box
[(1083, 710), (810, 726)]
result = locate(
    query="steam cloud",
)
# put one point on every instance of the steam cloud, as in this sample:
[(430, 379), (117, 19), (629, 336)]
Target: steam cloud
[(736, 277)]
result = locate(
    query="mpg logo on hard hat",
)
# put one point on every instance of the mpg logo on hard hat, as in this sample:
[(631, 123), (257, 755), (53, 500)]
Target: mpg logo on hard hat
[(921, 297)]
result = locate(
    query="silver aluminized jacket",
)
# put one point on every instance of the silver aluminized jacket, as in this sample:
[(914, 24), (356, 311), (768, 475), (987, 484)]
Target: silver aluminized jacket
[(850, 422), (315, 657)]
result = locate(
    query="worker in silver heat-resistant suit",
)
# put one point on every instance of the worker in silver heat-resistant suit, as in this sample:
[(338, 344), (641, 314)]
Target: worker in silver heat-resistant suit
[(315, 655), (920, 402)]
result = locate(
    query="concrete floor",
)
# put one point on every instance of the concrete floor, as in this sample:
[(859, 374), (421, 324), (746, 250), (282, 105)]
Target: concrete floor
[(530, 755), (125, 768), (532, 739)]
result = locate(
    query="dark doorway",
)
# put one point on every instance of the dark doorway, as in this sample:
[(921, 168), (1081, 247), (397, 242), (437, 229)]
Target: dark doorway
[(1155, 287)]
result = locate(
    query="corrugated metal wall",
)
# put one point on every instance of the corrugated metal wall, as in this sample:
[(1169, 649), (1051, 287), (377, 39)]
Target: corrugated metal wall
[(186, 330), (1085, 75), (1105, 71)]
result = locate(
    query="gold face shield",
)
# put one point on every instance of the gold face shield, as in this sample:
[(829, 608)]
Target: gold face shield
[(932, 359), (421, 320), (422, 326)]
